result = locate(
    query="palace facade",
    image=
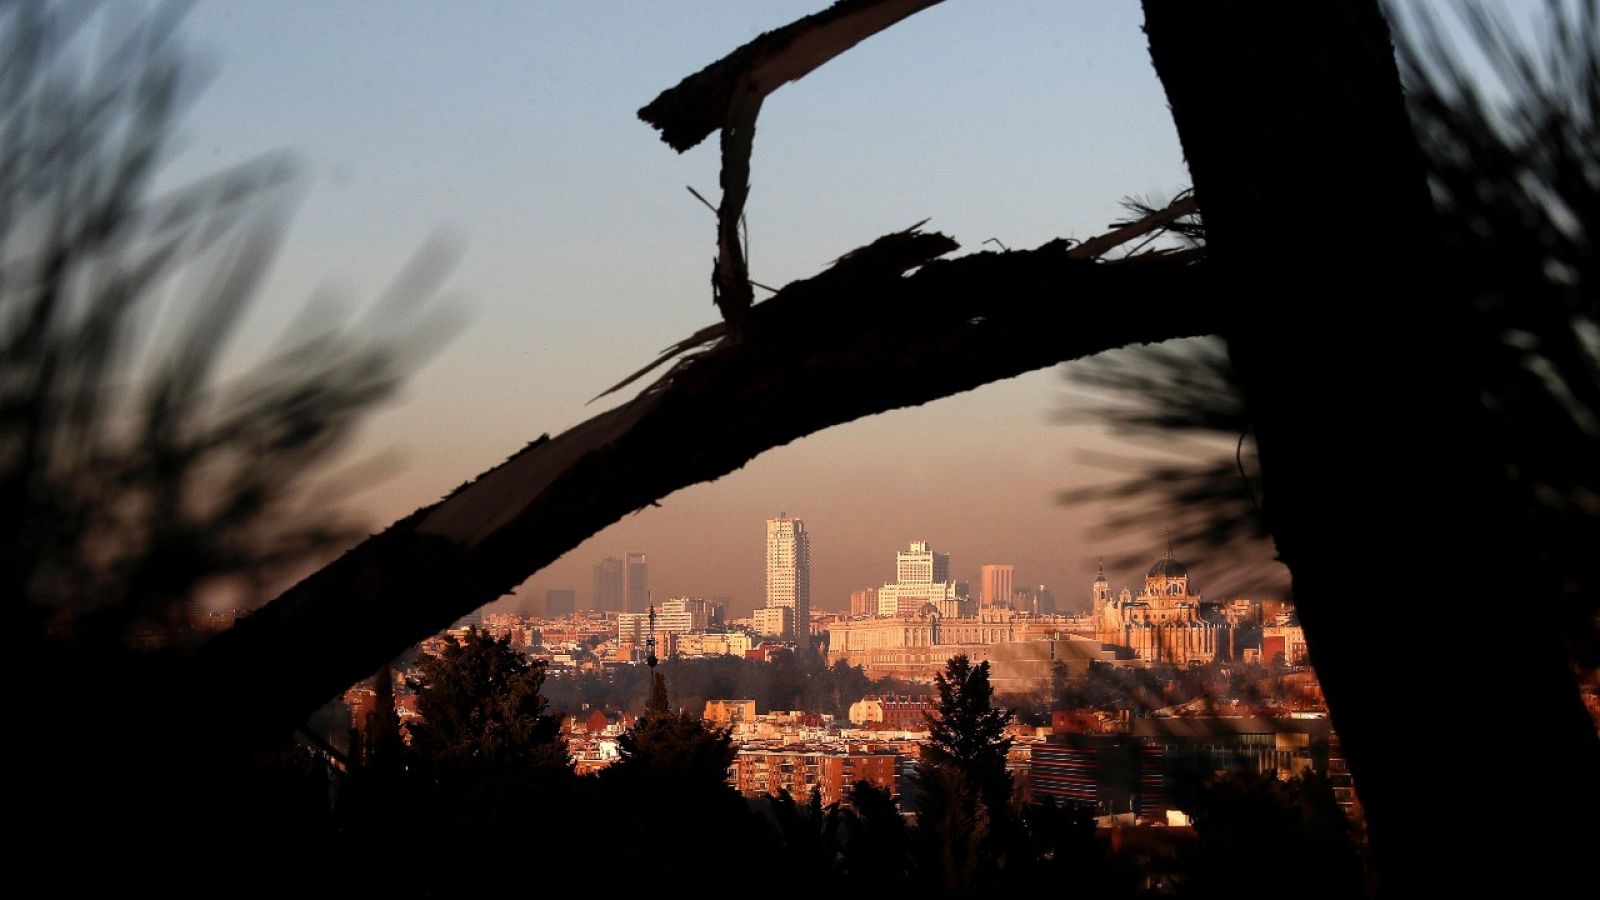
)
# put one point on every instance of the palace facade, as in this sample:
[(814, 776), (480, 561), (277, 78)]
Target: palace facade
[(1167, 623)]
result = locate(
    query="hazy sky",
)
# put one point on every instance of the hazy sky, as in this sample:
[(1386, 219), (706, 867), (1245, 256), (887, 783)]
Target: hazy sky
[(510, 127)]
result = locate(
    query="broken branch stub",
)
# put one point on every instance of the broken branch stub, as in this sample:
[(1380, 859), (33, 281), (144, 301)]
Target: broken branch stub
[(734, 295), (699, 104), (727, 95)]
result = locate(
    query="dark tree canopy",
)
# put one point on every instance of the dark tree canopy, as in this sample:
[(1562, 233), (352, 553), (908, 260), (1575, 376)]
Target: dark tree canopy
[(967, 732), (381, 745), (658, 704), (673, 748), (482, 705), (969, 838), (876, 840), (668, 793)]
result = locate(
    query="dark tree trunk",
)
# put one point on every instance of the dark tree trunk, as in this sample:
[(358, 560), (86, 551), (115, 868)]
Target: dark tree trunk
[(1452, 695)]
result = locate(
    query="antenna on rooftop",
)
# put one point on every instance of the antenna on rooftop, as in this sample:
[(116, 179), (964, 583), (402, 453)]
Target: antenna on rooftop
[(650, 642)]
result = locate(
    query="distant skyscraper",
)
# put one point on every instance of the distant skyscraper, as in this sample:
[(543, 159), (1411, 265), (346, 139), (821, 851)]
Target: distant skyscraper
[(995, 585), (920, 565), (608, 585), (638, 583), (789, 571), (922, 578), (558, 603)]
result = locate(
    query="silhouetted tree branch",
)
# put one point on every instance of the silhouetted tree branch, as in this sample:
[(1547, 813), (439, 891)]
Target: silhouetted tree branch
[(824, 350)]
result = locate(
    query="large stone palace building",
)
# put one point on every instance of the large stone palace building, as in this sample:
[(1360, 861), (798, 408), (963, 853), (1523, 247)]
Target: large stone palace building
[(1167, 622), (1022, 647)]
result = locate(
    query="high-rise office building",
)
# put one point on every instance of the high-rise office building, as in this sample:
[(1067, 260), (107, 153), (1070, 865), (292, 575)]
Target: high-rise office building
[(864, 602), (995, 586), (922, 578), (921, 565), (789, 571), (638, 588), (608, 585), (560, 602)]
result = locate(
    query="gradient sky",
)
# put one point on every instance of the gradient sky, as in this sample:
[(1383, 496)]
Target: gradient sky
[(510, 128)]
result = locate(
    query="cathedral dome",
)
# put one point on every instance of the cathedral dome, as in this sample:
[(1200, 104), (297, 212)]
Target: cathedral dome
[(1168, 568)]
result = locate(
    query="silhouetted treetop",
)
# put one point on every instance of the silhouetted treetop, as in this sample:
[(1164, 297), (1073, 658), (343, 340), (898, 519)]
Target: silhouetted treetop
[(966, 731), (481, 704)]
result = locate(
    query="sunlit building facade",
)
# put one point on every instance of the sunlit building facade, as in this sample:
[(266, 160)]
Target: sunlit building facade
[(789, 570), (922, 579), (758, 773), (1022, 648), (994, 585), (1167, 622), (864, 602)]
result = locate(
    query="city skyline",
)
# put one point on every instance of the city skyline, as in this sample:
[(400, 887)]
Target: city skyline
[(1073, 592)]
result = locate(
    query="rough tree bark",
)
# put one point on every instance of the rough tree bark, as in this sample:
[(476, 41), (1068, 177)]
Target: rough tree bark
[(1377, 478)]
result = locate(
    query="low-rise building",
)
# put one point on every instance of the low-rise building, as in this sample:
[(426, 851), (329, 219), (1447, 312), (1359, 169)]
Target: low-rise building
[(1136, 771), (732, 643), (774, 621), (758, 773), (891, 712), (726, 713), (1289, 641)]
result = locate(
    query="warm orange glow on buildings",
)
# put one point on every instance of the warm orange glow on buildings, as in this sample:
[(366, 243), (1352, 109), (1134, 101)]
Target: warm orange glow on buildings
[(758, 773)]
